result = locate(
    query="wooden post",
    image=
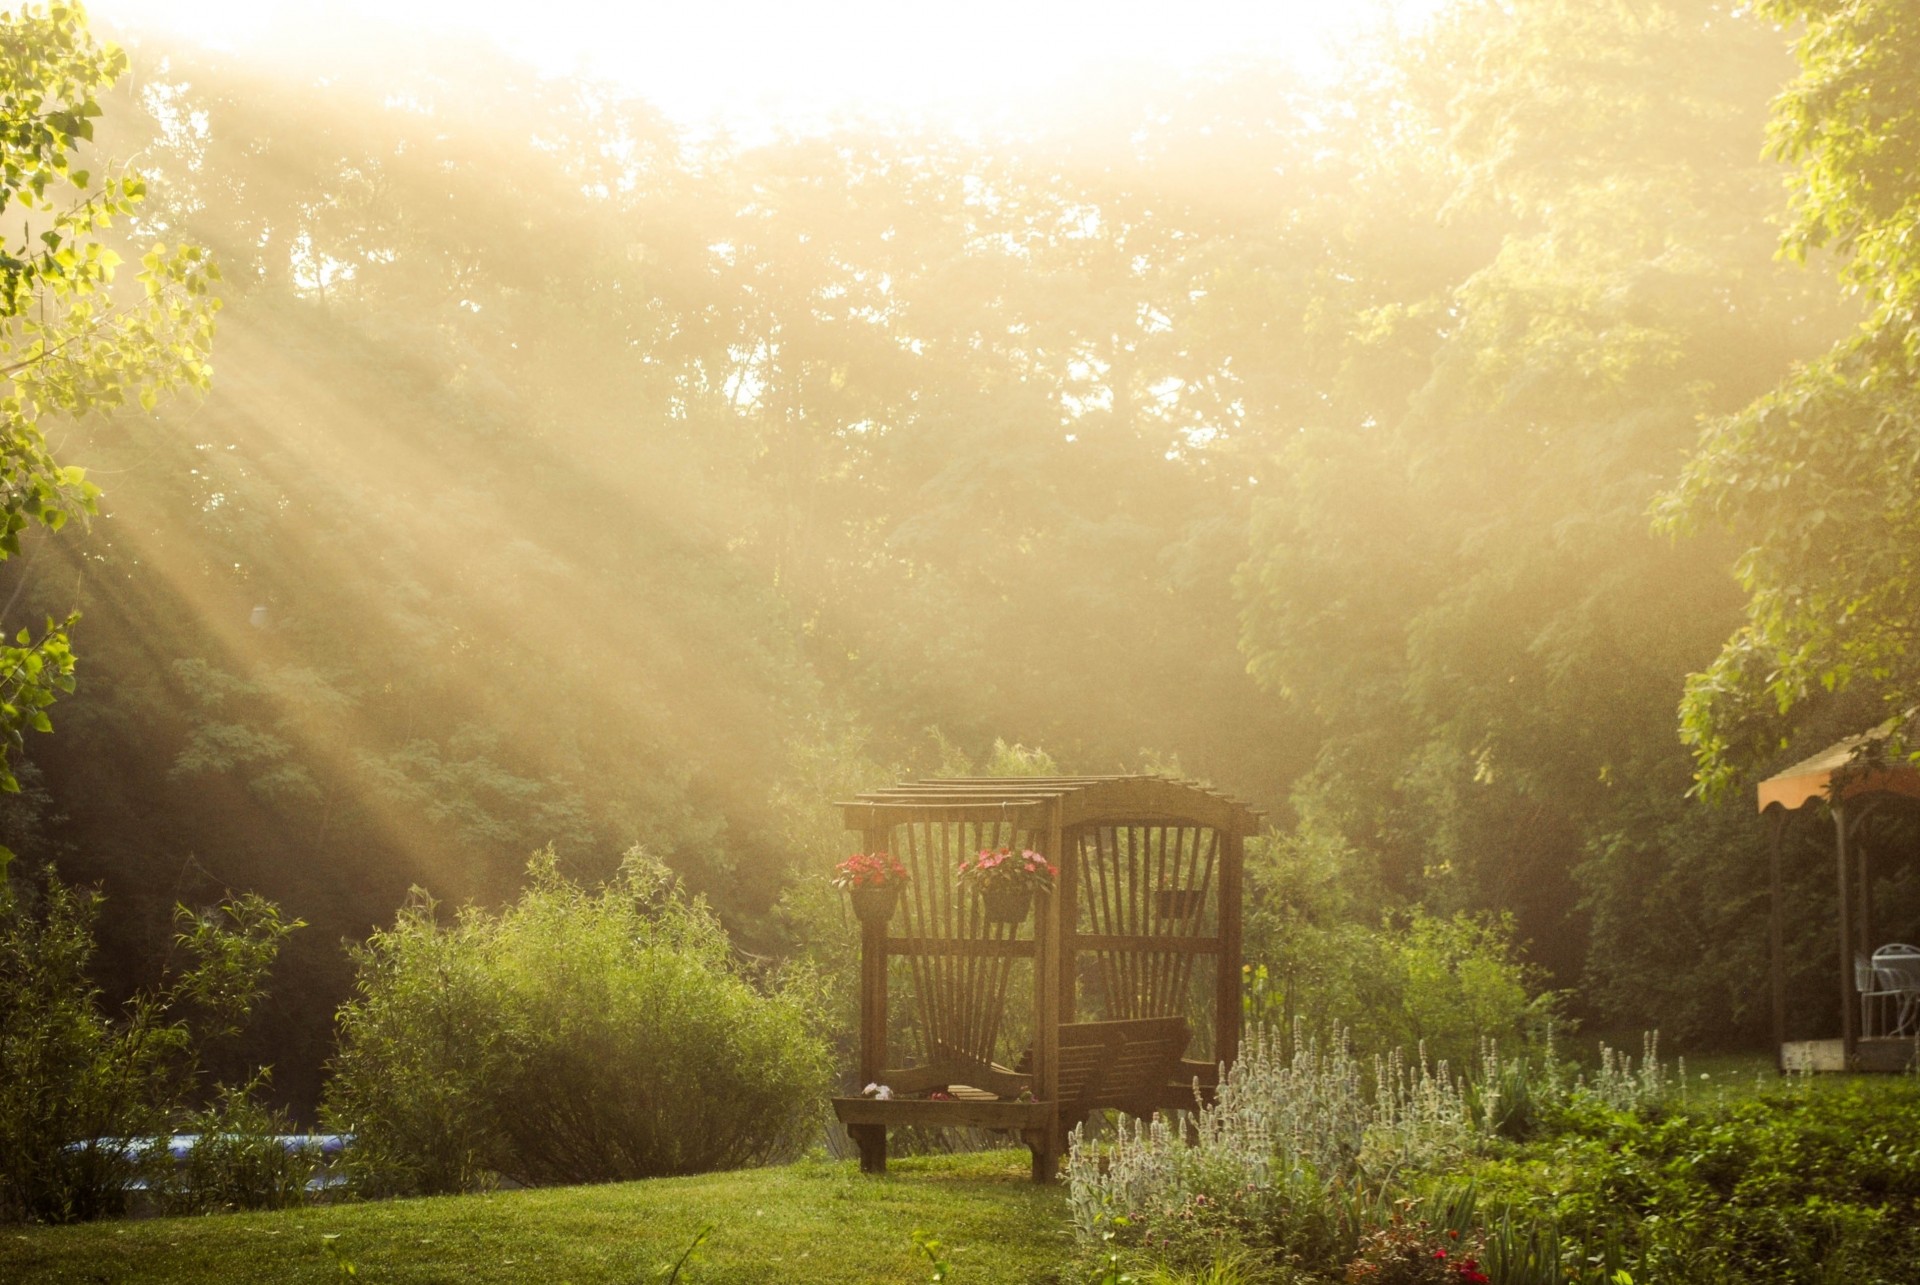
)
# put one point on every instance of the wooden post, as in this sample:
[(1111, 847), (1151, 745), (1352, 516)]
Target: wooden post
[(872, 1138), (1049, 925), (1776, 939), (1849, 993), (1226, 996)]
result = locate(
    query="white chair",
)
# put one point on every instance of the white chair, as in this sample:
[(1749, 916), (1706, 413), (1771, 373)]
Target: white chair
[(1896, 969), (1876, 995)]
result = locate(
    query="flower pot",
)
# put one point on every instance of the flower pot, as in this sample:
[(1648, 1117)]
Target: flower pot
[(1177, 903), (1007, 905), (875, 905)]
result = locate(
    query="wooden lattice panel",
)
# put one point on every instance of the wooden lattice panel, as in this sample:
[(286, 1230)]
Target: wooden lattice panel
[(961, 966), (1146, 912)]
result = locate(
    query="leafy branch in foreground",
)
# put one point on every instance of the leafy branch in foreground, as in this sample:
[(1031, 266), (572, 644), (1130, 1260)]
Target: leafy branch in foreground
[(72, 344)]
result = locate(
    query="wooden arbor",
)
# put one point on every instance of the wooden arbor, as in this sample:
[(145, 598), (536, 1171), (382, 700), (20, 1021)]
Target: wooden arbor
[(1853, 777), (1088, 1004)]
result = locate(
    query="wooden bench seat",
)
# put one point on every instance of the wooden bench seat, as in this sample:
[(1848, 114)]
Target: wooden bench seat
[(1129, 1066)]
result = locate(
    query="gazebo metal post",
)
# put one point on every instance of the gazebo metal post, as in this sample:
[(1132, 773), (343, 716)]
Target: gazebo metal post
[(1865, 860), (1849, 993), (1776, 940)]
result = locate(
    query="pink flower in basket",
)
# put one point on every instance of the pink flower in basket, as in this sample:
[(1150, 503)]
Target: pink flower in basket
[(995, 868), (869, 870)]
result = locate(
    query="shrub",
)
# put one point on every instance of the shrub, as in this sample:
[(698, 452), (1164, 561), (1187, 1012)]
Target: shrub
[(1327, 963), (77, 1088), (577, 1036)]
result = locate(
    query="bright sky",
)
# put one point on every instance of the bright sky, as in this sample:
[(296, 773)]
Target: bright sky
[(750, 61)]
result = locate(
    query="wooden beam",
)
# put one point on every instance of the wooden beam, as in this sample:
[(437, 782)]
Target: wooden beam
[(858, 813), (1145, 944), (1016, 948)]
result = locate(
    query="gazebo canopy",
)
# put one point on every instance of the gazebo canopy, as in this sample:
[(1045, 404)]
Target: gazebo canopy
[(1843, 770)]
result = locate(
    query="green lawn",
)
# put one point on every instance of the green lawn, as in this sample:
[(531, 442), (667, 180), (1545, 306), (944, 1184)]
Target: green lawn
[(810, 1222)]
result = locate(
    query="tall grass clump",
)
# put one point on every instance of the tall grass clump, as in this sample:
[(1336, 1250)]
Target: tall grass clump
[(576, 1036), (1284, 1157)]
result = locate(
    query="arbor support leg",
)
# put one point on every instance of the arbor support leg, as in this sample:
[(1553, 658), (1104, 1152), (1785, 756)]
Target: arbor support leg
[(1046, 1154), (872, 1141)]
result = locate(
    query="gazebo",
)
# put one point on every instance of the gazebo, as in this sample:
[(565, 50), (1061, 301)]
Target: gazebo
[(1092, 1002), (1854, 779)]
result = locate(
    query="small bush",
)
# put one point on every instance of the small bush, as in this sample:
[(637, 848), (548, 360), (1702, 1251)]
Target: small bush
[(240, 1159), (575, 1037), (1412, 1253)]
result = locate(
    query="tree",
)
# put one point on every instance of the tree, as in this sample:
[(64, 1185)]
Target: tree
[(70, 343), (1821, 476), (1460, 584)]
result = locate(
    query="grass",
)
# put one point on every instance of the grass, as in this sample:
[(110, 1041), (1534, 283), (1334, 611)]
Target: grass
[(810, 1222)]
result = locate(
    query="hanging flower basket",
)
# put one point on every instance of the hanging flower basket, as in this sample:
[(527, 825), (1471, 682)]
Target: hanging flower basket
[(872, 881), (876, 904), (1006, 881), (1007, 905)]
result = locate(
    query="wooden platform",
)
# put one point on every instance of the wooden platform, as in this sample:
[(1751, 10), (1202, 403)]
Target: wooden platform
[(1889, 1056)]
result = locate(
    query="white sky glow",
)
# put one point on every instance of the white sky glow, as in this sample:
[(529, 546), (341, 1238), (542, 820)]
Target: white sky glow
[(754, 61)]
